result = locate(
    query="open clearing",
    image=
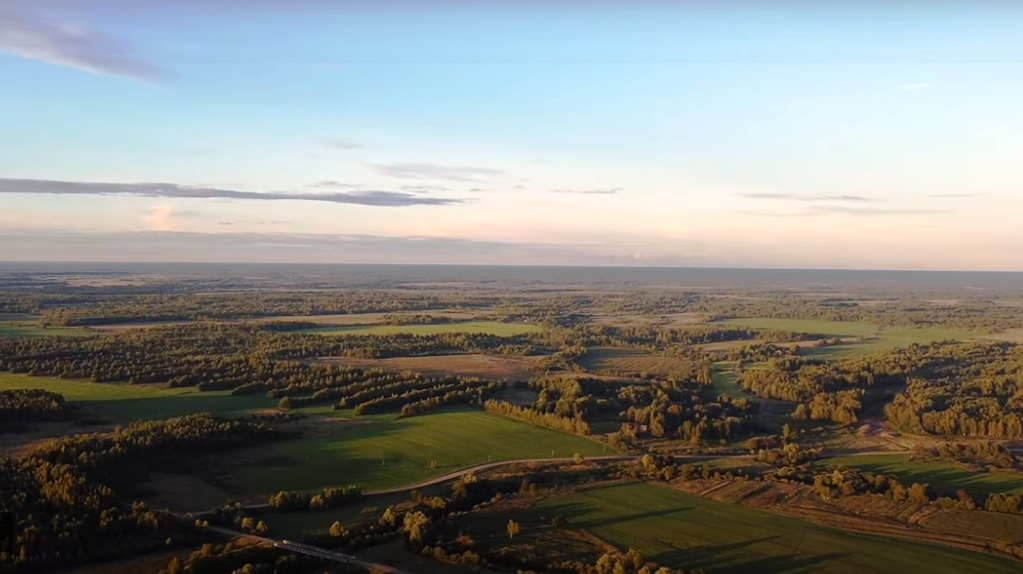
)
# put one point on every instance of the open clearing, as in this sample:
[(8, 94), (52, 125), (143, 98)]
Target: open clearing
[(623, 360), (469, 365), (398, 452), (126, 403), (942, 476), (489, 327), (686, 531), (30, 328), (874, 338), (371, 318)]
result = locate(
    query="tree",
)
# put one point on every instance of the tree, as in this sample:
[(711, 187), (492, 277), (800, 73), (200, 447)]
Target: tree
[(336, 530), (559, 522), (261, 528), (284, 404), (578, 458), (513, 528)]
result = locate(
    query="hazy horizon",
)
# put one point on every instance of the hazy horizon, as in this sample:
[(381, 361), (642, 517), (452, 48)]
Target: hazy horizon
[(772, 135)]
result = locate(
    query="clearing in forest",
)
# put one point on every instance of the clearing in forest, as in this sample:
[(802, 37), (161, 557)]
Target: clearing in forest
[(944, 477), (467, 365), (685, 531), (20, 326), (622, 360), (122, 403), (403, 451), (873, 338), (489, 327)]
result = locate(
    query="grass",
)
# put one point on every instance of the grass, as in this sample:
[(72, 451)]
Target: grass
[(723, 381), (628, 361), (31, 329), (399, 452), (490, 327), (884, 338), (685, 531), (942, 476), (820, 327), (126, 403)]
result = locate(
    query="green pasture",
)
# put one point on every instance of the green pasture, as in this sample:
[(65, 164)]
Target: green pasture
[(125, 403), (488, 327), (945, 477), (685, 531), (390, 453)]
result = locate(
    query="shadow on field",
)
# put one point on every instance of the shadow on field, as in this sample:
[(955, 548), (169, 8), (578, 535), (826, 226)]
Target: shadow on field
[(574, 510), (722, 559)]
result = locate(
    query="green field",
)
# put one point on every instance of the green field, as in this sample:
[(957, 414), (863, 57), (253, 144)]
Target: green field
[(23, 329), (886, 337), (623, 360), (942, 476), (490, 327), (686, 531), (723, 381), (397, 452), (125, 403)]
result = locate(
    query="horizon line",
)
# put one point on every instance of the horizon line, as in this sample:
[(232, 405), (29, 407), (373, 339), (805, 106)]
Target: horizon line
[(550, 265)]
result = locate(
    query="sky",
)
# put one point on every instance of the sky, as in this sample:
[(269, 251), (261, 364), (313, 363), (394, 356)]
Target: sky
[(749, 134)]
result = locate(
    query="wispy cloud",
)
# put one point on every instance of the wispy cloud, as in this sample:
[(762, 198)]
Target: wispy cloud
[(431, 171), (846, 210), (337, 143), (610, 191), (913, 87), (358, 197), (36, 38), (950, 195), (808, 198)]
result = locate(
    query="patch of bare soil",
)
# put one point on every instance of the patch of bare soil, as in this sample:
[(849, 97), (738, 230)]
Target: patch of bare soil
[(484, 366)]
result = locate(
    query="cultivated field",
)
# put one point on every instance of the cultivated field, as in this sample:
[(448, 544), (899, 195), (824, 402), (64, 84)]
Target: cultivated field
[(942, 476), (468, 365), (874, 338), (397, 452), (125, 403), (628, 361), (28, 326), (686, 531), (369, 318), (490, 327)]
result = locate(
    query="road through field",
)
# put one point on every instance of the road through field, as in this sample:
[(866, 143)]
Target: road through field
[(312, 551)]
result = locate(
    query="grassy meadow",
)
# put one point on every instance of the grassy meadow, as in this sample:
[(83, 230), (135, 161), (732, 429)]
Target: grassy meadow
[(385, 453), (685, 531), (19, 326), (125, 403), (942, 476), (628, 361), (875, 338), (489, 327)]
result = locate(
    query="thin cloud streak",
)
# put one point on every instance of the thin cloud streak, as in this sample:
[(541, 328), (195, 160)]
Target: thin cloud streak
[(75, 46), (339, 144), (807, 198), (374, 198), (610, 191), (430, 171)]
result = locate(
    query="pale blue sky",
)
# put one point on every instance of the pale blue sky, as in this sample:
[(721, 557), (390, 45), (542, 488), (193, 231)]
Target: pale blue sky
[(668, 133)]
